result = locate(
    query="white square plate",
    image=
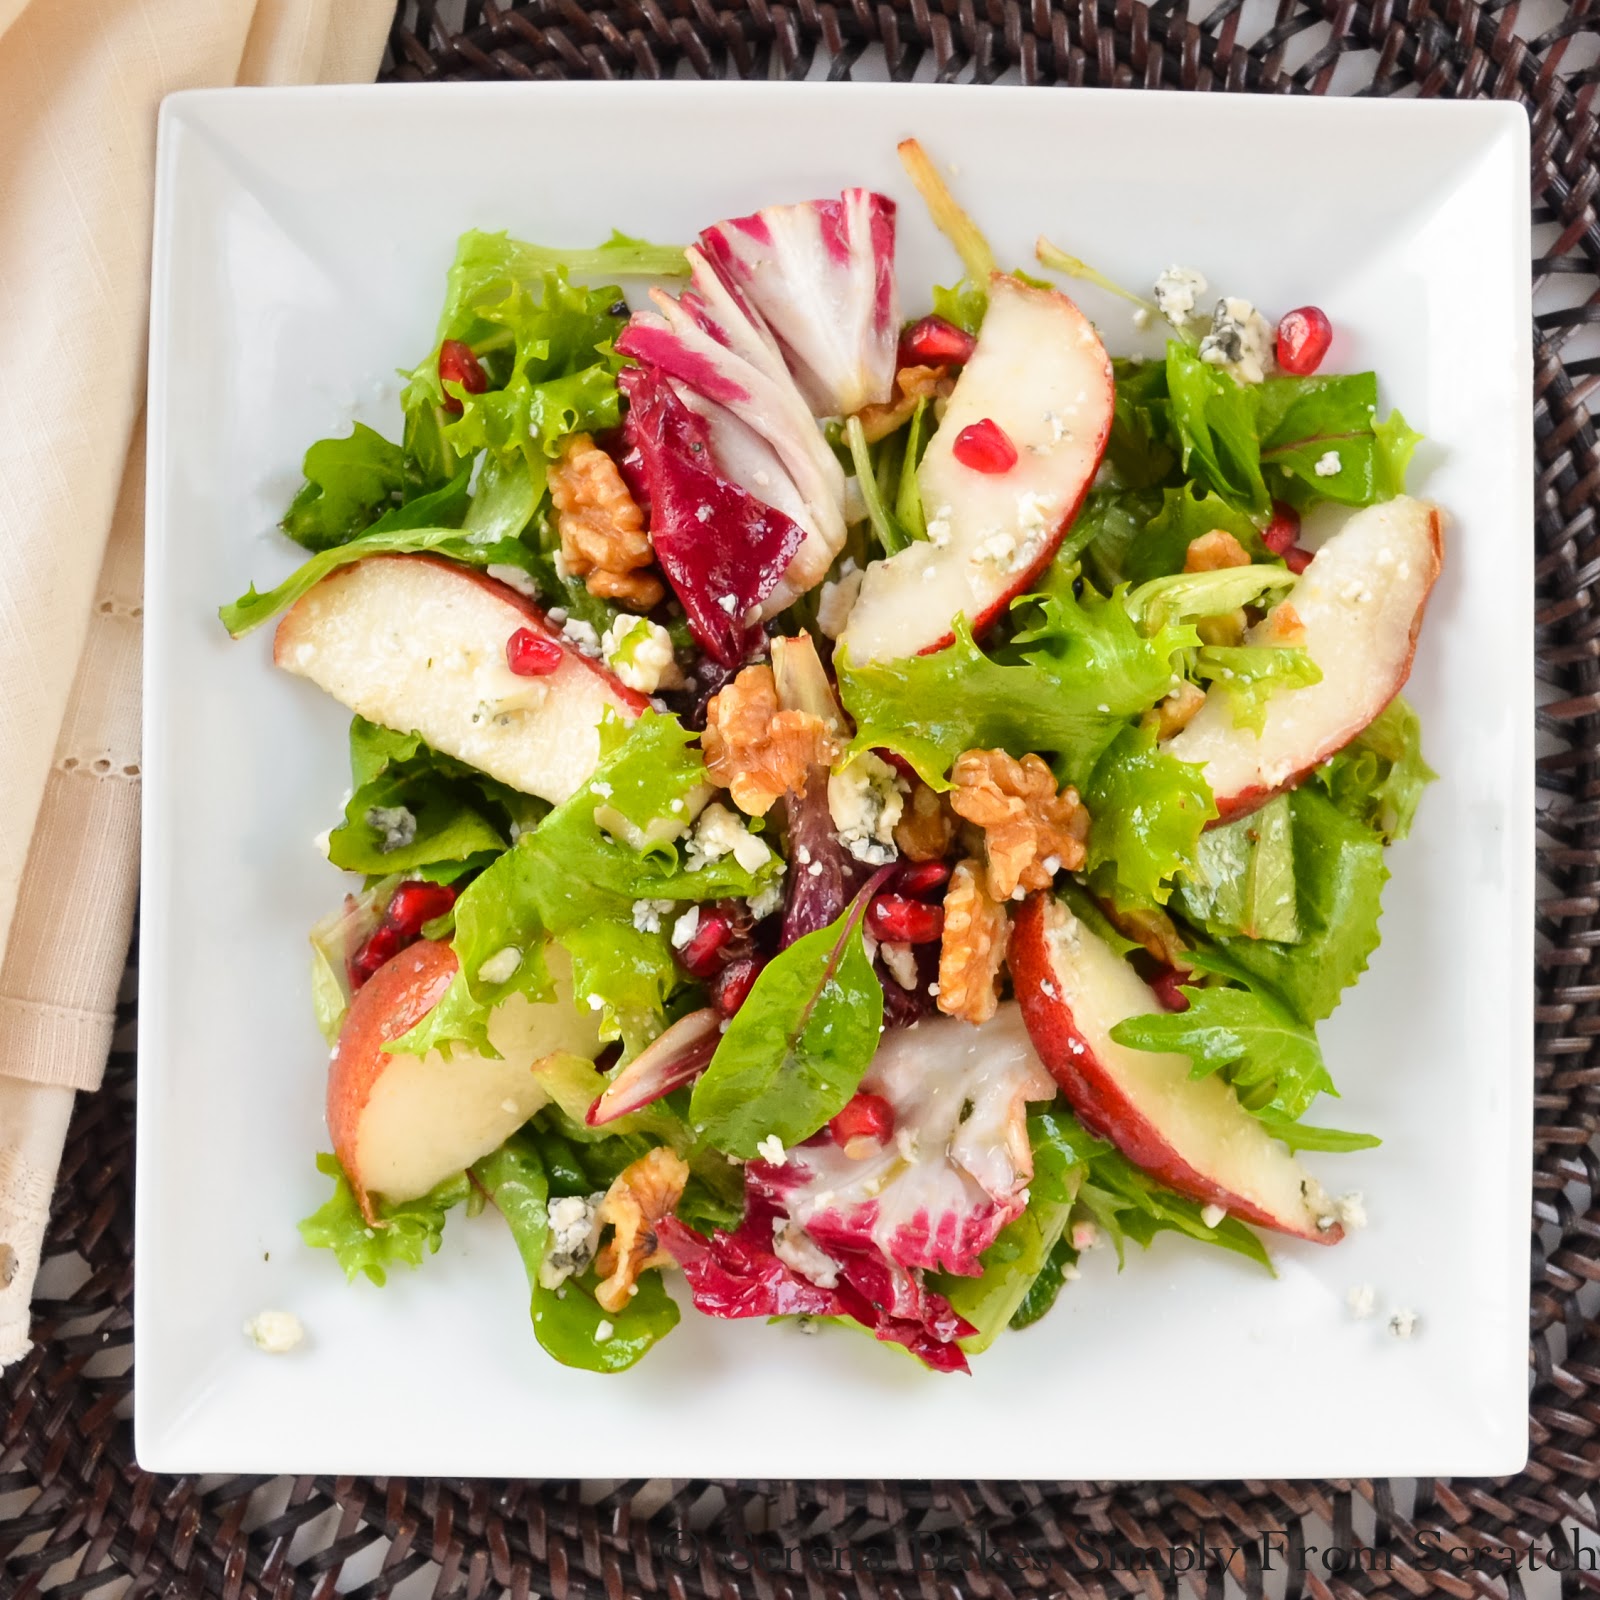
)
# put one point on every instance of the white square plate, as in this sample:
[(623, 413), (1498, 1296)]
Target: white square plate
[(301, 244)]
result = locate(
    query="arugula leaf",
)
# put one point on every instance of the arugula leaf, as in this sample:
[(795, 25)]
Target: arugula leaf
[(349, 482), (405, 1234), (1271, 1058), (795, 1052), (1339, 873), (1125, 1201), (568, 1321), (1148, 810), (1243, 877), (1249, 674), (1299, 1136), (1378, 778), (1187, 514), (1066, 684)]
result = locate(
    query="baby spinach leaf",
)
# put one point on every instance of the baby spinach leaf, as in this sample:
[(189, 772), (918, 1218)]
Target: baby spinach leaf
[(1148, 810), (796, 1050), (1242, 880), (406, 1231), (349, 484), (1339, 873)]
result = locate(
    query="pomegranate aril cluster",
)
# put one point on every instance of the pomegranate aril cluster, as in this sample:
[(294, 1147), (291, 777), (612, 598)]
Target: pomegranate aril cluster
[(411, 907)]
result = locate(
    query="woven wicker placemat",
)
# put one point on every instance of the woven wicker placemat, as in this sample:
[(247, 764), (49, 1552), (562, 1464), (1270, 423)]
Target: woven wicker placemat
[(77, 1516)]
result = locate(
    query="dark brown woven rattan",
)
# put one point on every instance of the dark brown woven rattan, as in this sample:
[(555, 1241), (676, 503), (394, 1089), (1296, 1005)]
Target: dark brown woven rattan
[(77, 1516)]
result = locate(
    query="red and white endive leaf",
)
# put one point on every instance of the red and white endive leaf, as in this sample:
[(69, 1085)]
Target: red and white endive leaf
[(821, 276), (956, 1171)]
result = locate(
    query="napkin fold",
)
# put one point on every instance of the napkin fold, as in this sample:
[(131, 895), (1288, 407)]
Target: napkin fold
[(80, 85)]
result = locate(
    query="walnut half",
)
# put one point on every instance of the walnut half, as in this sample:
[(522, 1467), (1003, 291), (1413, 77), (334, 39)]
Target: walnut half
[(1030, 832), (972, 946), (643, 1193), (601, 526), (754, 750)]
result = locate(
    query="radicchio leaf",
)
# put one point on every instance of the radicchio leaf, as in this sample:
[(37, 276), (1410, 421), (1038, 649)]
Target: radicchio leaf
[(822, 875), (956, 1172), (821, 277), (675, 1058), (723, 551), (712, 345), (739, 1274)]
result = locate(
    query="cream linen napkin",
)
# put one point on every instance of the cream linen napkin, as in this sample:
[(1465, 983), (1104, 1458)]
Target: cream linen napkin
[(79, 87)]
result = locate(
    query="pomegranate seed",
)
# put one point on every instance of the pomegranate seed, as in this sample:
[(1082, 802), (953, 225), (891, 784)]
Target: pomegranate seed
[(416, 903), (1303, 339), (532, 655), (921, 877), (1283, 530), (984, 447), (868, 1118), (384, 942), (1297, 560), (457, 364), (892, 916), (733, 984), (933, 340), (1167, 989), (699, 956)]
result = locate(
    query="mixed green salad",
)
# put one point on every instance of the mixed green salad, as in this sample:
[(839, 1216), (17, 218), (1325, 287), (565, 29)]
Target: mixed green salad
[(849, 807)]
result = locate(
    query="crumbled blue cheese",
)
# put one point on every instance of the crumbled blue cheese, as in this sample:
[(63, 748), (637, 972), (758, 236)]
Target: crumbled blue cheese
[(639, 651), (1351, 1210), (603, 1331), (938, 528), (513, 578), (718, 832), (901, 962), (395, 823), (838, 599), (771, 1150), (647, 914), (1403, 1324), (580, 635), (1085, 1236), (998, 550), (1177, 292), (1213, 1216), (1361, 1298), (501, 965), (324, 842), (276, 1332), (1141, 317), (1328, 464), (685, 928), (769, 900), (574, 1225), (796, 1249), (1240, 341), (866, 800)]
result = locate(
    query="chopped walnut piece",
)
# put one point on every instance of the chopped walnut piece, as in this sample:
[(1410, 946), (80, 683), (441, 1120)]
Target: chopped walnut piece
[(913, 384), (1029, 831), (972, 947), (1215, 550), (602, 528), (643, 1193), (1282, 628), (756, 751), (1155, 930), (1224, 629), (926, 829), (1176, 711)]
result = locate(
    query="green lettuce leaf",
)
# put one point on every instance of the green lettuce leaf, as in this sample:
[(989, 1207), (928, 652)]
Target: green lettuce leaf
[(1066, 685), (1339, 875), (1379, 777), (568, 1322), (1213, 417), (1123, 1200), (796, 1050), (1139, 448), (1243, 877), (1045, 1289), (1012, 1268), (1250, 674), (406, 1232), (1185, 596), (1271, 1058), (1187, 514), (349, 484), (1148, 810), (1104, 533)]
